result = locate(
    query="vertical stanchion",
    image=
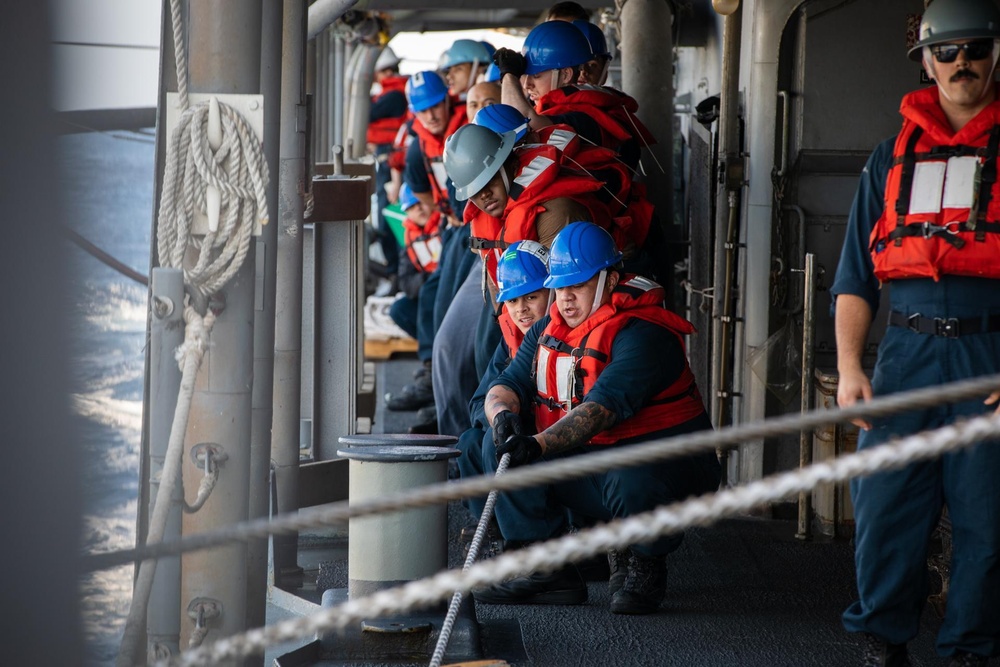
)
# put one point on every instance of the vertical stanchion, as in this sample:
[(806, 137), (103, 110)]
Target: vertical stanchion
[(805, 436)]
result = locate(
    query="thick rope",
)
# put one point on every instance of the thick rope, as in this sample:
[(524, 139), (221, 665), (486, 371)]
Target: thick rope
[(189, 355), (470, 558), (554, 471), (644, 527)]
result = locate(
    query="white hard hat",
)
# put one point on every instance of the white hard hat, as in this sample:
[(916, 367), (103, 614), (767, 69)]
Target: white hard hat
[(386, 59)]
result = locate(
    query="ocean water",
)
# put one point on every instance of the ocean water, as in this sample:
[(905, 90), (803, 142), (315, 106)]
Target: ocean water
[(107, 180)]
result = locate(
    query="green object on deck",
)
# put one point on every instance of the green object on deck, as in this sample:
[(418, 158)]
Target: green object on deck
[(394, 216)]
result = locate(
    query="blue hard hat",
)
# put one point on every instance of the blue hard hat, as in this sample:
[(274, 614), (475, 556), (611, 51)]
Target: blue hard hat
[(578, 253), (465, 51), (521, 270), (595, 36), (553, 45), (425, 89), (489, 48), (406, 197), (502, 118), (492, 73)]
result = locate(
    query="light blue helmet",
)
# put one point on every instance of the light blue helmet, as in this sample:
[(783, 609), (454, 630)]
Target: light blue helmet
[(406, 197), (465, 51), (502, 118), (425, 89), (521, 270), (554, 45), (595, 36), (579, 252)]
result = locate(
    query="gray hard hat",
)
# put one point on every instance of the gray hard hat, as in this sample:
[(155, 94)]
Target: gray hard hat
[(950, 20), (473, 155)]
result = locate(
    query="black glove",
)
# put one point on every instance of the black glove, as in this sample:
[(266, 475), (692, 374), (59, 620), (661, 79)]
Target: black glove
[(505, 424), (510, 62), (522, 449)]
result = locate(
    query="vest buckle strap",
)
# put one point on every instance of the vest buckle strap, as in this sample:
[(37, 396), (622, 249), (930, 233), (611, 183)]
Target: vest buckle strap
[(947, 328)]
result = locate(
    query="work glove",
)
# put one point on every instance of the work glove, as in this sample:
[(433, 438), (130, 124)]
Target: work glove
[(505, 424), (522, 449), (510, 62)]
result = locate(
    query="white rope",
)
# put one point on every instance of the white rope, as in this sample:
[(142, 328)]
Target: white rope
[(239, 172), (644, 527), (195, 343), (470, 558), (551, 472)]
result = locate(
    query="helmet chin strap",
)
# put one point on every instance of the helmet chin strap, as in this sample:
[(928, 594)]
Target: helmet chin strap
[(554, 79), (599, 294), (506, 181), (552, 298)]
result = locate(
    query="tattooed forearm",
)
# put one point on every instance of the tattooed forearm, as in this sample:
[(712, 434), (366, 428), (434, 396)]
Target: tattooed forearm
[(577, 428), (501, 398)]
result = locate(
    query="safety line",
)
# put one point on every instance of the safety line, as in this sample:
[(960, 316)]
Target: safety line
[(548, 556), (552, 471)]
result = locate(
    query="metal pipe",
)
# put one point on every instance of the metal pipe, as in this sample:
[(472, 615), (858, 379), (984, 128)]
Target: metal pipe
[(263, 339), (324, 12), (646, 22), (726, 225), (336, 98), (225, 50), (288, 302), (808, 366), (166, 333), (359, 98)]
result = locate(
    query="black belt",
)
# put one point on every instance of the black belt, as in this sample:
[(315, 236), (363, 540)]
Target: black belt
[(948, 327)]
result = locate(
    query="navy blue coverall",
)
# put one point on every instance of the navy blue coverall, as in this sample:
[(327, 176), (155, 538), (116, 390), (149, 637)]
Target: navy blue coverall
[(896, 512), (645, 360)]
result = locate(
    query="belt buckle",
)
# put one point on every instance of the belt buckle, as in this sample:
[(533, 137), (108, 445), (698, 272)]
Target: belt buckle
[(947, 327), (913, 322)]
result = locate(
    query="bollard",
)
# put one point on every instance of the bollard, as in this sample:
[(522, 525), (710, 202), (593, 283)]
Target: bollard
[(391, 549)]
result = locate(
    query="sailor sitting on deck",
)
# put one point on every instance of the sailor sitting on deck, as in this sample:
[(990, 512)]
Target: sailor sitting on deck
[(605, 367), (524, 299), (418, 258)]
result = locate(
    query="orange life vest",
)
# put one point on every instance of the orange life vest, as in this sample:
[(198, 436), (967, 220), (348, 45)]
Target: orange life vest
[(568, 362), (432, 148), (540, 177), (631, 210), (611, 109), (423, 244), (942, 197), (511, 333), (383, 131)]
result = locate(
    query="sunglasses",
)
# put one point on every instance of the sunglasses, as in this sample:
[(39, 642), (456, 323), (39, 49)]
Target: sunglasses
[(977, 50)]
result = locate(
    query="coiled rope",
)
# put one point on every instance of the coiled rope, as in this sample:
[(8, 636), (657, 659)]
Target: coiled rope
[(644, 527), (238, 171), (554, 471)]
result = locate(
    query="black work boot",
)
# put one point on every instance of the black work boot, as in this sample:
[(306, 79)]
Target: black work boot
[(618, 564), (413, 397), (879, 653), (644, 587), (563, 586), (963, 659)]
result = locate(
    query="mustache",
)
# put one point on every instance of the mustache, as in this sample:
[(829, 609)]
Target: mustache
[(963, 74)]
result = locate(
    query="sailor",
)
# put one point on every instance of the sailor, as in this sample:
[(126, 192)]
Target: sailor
[(387, 114), (481, 96), (926, 221), (524, 299), (421, 251), (595, 70), (437, 118), (541, 82), (567, 11), (605, 368), (462, 64)]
